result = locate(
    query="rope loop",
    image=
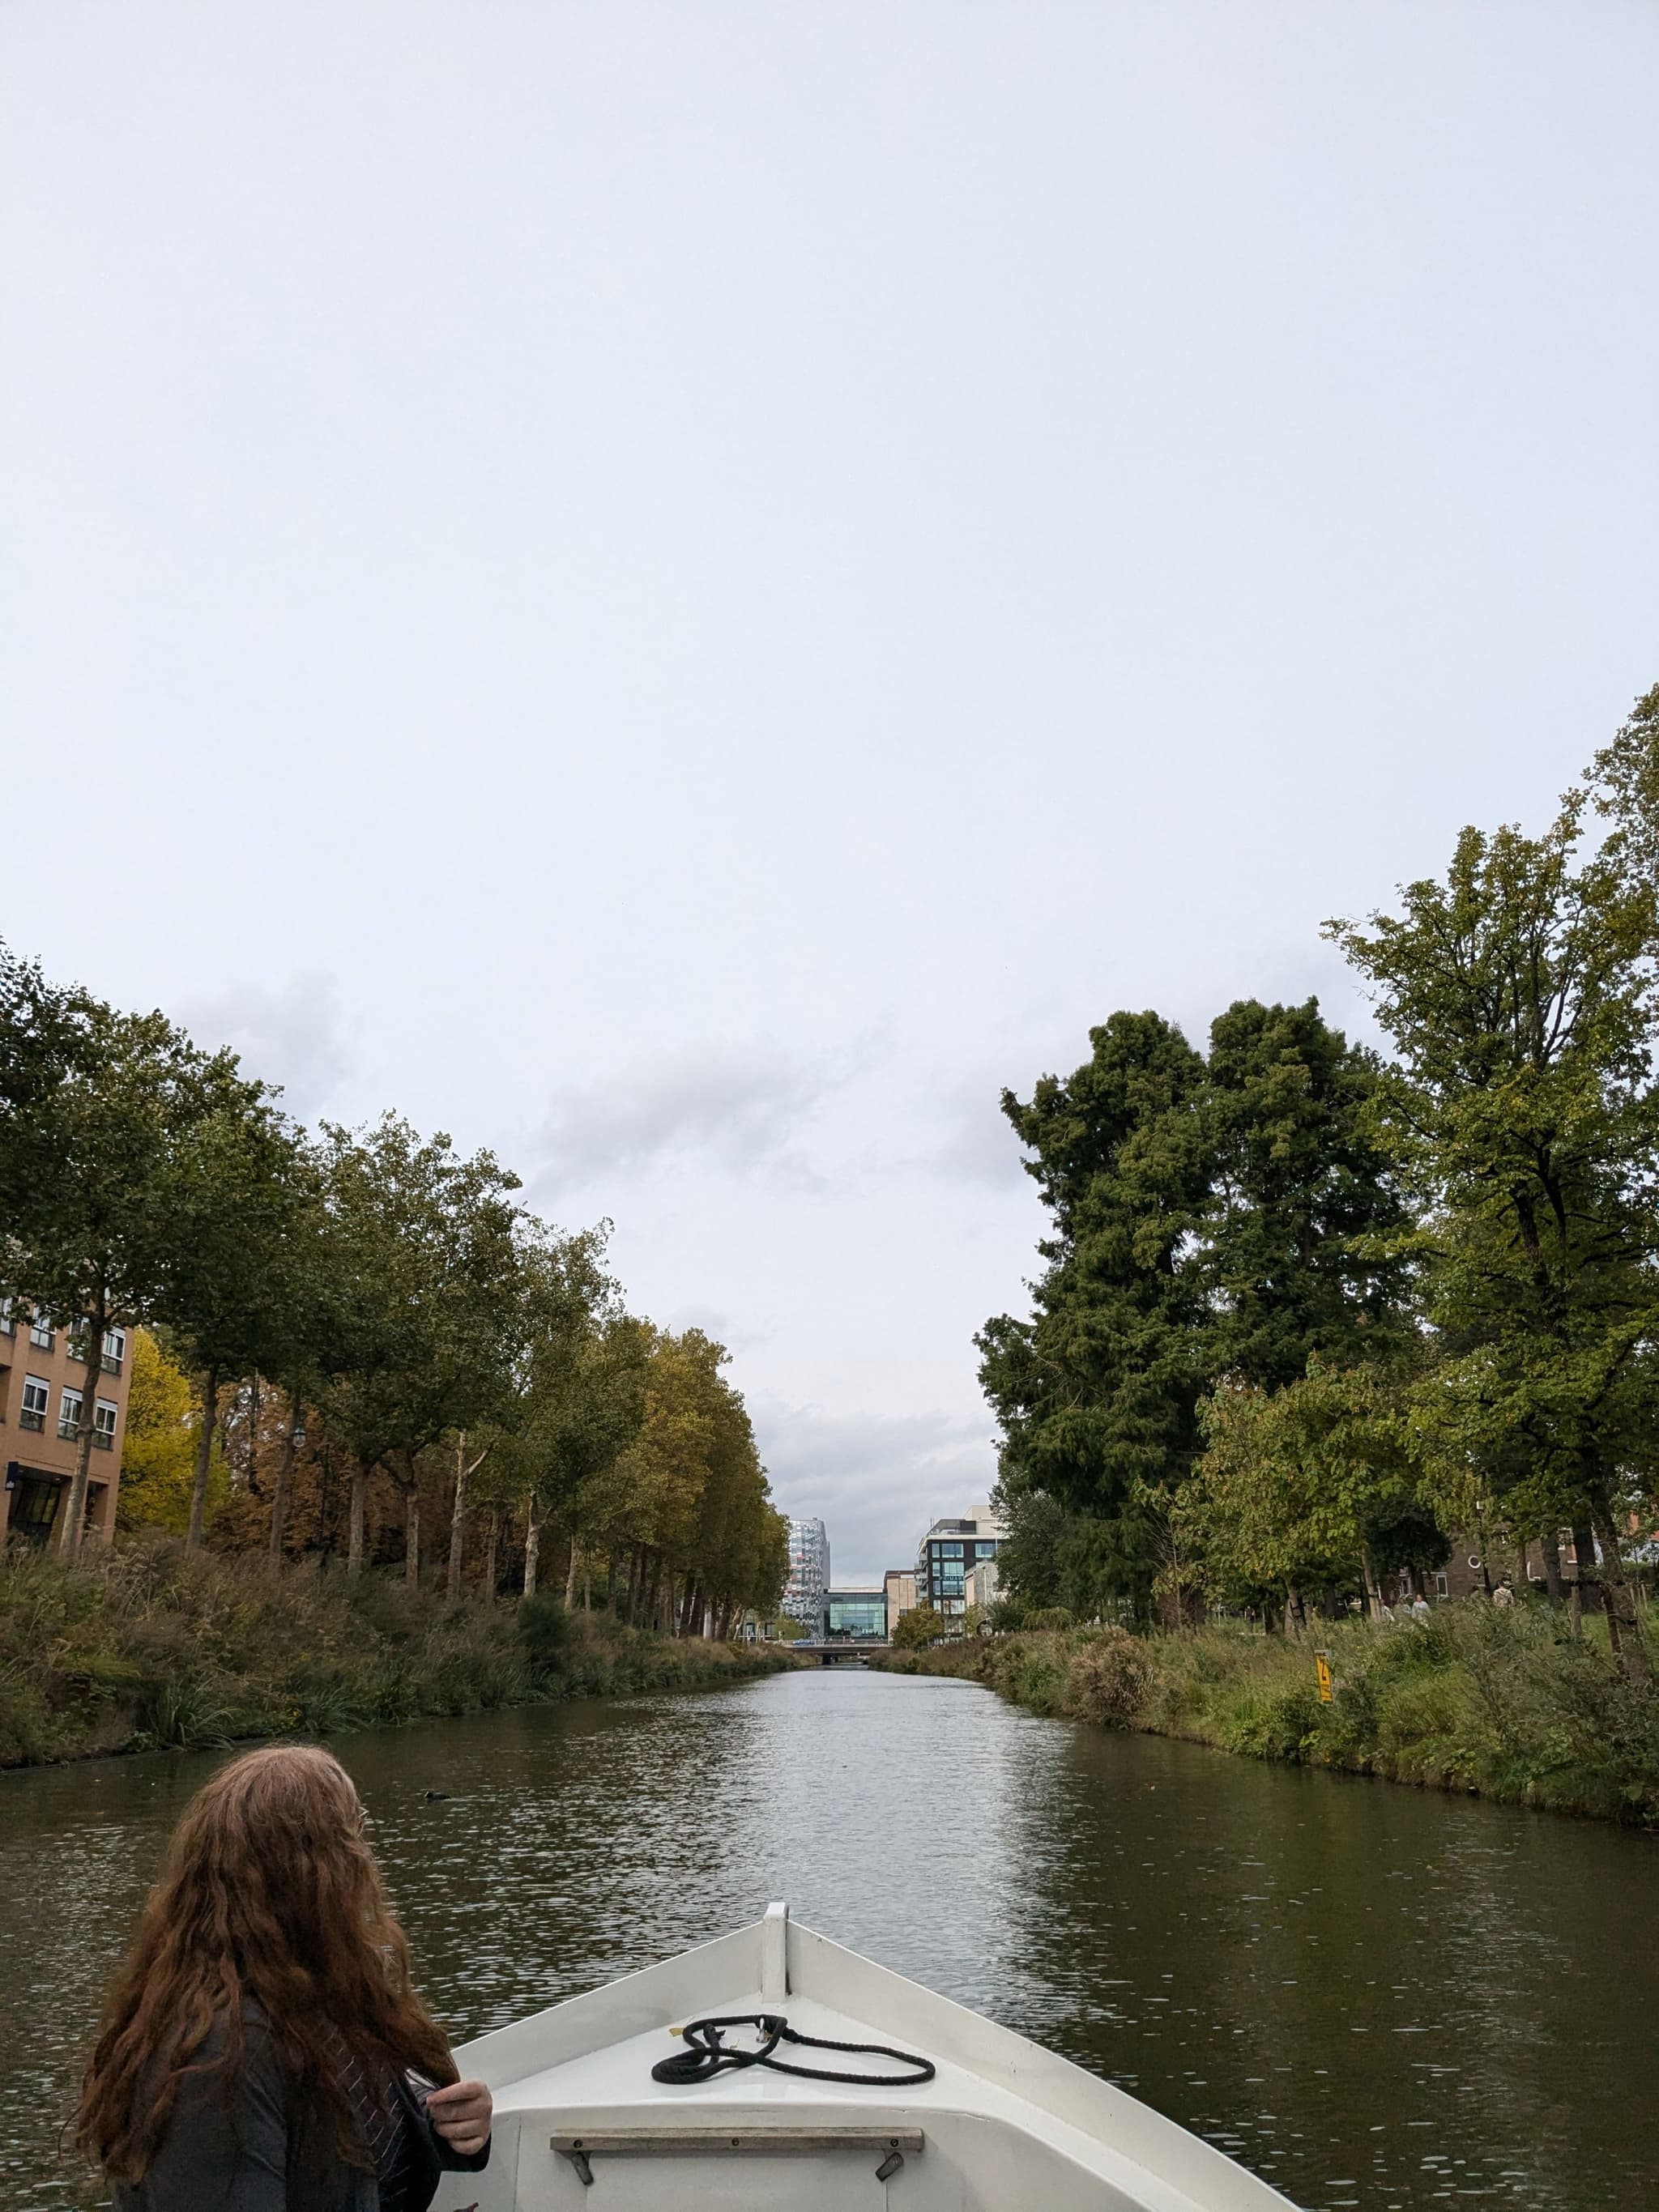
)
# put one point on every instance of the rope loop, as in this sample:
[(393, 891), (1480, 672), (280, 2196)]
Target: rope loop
[(706, 2054)]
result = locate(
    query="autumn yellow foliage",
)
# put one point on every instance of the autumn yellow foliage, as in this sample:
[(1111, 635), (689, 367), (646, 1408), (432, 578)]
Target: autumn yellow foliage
[(158, 1458)]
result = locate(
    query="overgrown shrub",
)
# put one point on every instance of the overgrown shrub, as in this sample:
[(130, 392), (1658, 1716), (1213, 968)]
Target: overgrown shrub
[(1505, 1702), (1107, 1679), (149, 1646)]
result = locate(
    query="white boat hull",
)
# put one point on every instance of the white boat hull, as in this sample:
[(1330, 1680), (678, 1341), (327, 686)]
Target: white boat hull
[(581, 2125)]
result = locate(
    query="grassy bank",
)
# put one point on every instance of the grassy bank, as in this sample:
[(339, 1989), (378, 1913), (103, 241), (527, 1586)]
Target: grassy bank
[(1504, 1704), (151, 1647)]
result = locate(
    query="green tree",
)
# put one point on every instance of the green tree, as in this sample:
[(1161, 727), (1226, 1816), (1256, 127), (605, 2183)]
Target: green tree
[(229, 1292), (922, 1625), (40, 1032), (1299, 1240), (1303, 1486), (428, 1323), (1097, 1394), (1230, 1218), (580, 1395), (99, 1136), (1520, 994)]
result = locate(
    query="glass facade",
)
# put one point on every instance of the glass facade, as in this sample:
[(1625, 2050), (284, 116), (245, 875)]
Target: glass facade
[(806, 1591), (861, 1613), (950, 1552)]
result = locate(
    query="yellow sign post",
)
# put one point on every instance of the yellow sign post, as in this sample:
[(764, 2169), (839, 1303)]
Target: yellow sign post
[(1323, 1669)]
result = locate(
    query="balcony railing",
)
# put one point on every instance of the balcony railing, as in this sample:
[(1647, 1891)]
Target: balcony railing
[(102, 1440), (32, 1417)]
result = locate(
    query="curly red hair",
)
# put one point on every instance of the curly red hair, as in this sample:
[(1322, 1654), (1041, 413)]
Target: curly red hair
[(270, 1894)]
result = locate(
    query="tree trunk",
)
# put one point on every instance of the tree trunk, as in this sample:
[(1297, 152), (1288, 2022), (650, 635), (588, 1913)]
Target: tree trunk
[(587, 1583), (1522, 1572), (458, 1520), (651, 1592), (570, 1579), (412, 1537), (74, 1520), (253, 1434), (491, 1541), (203, 1458), (284, 1476), (1550, 1544), (533, 1544), (1624, 1627), (359, 1503), (1584, 1587), (1373, 1588)]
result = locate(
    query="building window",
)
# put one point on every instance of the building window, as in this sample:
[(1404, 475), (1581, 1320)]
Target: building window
[(8, 1326), (103, 1417), (37, 1396), (115, 1350), (858, 1613), (34, 1508), (986, 1551), (40, 1332), (69, 1414), (1440, 1586), (949, 1551)]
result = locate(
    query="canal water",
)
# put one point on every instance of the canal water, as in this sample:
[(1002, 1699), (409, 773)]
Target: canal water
[(1377, 1998)]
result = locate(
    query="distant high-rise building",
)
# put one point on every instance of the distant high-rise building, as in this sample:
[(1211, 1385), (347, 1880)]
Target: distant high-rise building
[(807, 1593), (950, 1552)]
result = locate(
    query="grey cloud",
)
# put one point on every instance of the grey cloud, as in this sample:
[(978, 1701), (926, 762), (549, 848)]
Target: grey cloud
[(738, 1106), (727, 1328), (295, 1036), (875, 1481), (975, 1144)]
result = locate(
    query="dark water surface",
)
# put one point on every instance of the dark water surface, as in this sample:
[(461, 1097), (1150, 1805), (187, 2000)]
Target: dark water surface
[(1377, 1998)]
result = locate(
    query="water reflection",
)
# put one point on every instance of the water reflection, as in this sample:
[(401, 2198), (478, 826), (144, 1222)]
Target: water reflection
[(1376, 1998)]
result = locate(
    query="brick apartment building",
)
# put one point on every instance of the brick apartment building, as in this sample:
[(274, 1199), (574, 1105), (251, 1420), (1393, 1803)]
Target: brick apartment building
[(48, 1386)]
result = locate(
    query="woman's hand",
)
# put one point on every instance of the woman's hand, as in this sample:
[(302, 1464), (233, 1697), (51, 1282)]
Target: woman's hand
[(461, 2114)]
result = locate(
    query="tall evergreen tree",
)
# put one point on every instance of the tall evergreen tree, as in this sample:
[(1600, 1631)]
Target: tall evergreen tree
[(1233, 1218), (1097, 1392)]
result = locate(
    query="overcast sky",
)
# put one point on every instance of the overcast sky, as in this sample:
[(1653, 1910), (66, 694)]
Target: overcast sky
[(687, 590)]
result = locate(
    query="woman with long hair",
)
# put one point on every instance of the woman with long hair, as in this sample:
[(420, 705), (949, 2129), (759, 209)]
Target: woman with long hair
[(263, 2049)]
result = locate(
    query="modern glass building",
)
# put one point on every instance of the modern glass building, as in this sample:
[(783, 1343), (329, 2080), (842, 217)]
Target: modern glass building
[(950, 1552), (805, 1594), (859, 1613)]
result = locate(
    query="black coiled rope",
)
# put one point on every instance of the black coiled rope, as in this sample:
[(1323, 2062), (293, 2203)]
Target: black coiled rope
[(706, 2054)]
